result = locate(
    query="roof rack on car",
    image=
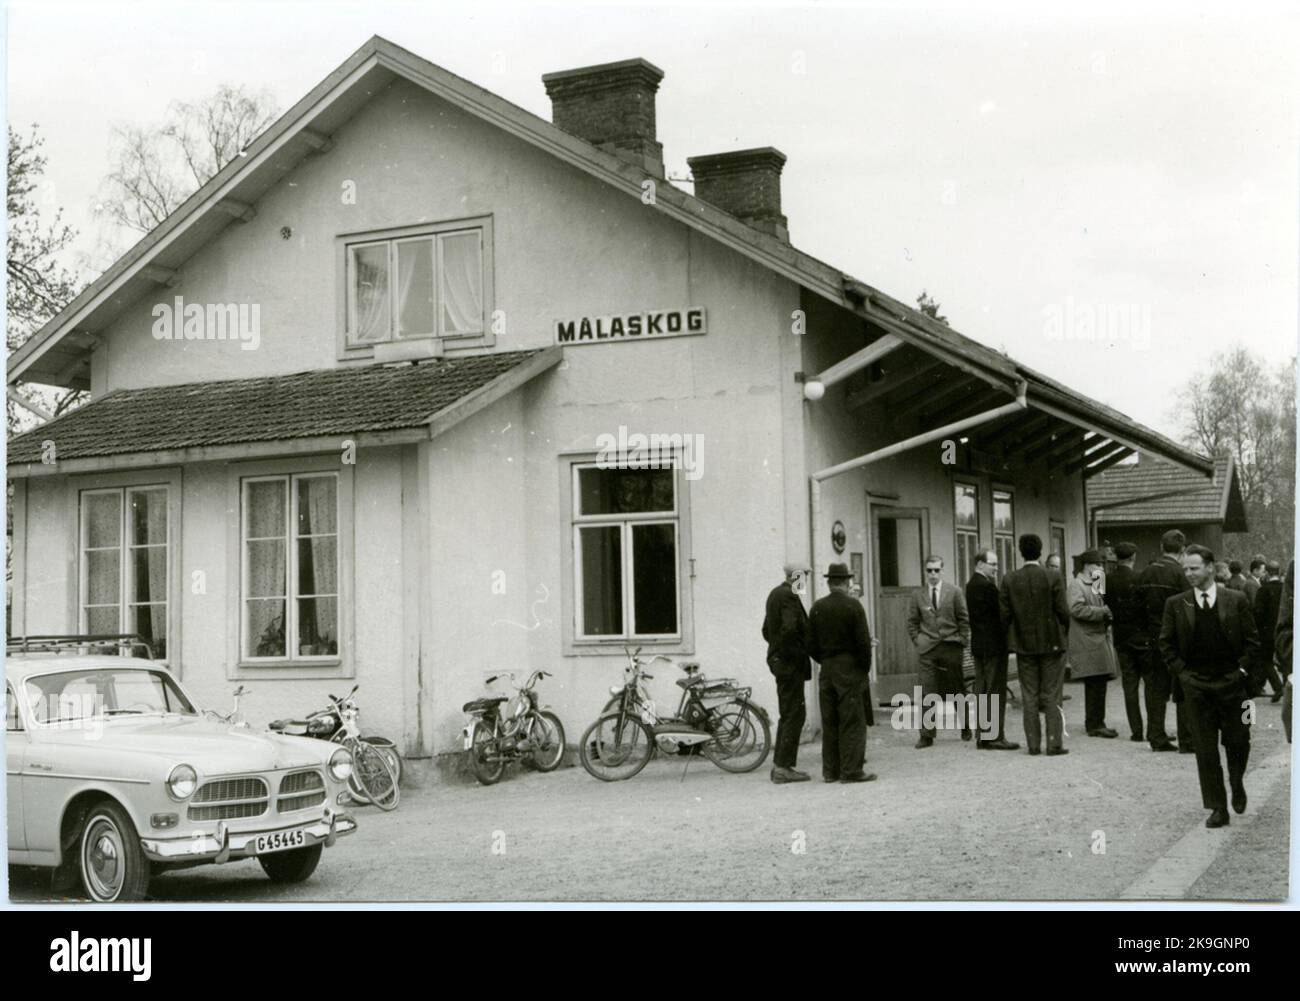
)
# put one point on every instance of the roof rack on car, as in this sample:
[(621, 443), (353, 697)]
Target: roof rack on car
[(61, 643)]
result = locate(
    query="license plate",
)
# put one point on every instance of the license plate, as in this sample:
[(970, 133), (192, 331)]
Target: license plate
[(279, 841)]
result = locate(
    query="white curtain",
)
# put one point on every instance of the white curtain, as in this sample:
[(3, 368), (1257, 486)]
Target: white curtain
[(370, 291), (462, 283), (415, 287)]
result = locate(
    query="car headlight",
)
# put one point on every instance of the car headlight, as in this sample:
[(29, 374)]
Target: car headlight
[(181, 782), (341, 764)]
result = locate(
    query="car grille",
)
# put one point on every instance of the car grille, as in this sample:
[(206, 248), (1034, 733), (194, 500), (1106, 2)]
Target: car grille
[(229, 799), (300, 791)]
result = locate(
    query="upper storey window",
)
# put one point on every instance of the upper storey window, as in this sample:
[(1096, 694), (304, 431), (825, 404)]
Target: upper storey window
[(417, 283)]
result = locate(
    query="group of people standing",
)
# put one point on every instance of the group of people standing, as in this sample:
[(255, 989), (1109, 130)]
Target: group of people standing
[(1172, 632)]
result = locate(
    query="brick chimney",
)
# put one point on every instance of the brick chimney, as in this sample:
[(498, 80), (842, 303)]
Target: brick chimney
[(611, 106), (745, 183)]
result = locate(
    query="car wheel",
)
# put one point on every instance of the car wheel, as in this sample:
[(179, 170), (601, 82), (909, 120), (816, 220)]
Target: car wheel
[(292, 866), (113, 866)]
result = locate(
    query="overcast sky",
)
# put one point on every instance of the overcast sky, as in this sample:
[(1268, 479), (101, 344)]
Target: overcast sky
[(1047, 178)]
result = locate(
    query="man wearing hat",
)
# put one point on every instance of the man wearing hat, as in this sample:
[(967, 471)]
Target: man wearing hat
[(1129, 623), (785, 627), (838, 639), (1092, 658)]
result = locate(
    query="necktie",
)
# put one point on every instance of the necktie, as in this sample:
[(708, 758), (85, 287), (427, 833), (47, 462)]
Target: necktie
[(934, 598), (1205, 600)]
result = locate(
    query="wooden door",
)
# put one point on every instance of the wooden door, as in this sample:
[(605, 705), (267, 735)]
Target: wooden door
[(900, 537)]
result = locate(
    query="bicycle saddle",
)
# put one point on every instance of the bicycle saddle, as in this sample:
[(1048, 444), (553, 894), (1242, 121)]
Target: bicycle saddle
[(284, 724), (483, 703), (690, 682)]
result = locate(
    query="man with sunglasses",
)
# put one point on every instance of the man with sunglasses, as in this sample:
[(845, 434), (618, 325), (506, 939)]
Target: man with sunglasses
[(939, 626)]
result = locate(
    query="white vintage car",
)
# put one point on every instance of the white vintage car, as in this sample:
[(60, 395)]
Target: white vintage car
[(112, 774)]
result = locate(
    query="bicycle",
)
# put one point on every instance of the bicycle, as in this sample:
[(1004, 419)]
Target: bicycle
[(522, 732), (374, 776), (714, 717)]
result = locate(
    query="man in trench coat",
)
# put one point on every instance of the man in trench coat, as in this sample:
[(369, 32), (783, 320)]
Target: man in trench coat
[(1092, 658)]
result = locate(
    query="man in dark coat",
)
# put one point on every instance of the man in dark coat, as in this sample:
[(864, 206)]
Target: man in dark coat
[(1157, 583), (988, 648), (785, 627), (1130, 632), (1267, 604), (1032, 603), (838, 639), (1208, 641)]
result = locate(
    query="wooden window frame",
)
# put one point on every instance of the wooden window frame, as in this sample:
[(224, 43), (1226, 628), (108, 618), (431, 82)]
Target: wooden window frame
[(346, 243), (573, 642)]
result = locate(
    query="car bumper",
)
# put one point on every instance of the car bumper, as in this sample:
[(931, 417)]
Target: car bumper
[(225, 844)]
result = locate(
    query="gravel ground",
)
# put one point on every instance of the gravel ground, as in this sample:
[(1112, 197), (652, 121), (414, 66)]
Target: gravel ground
[(942, 824)]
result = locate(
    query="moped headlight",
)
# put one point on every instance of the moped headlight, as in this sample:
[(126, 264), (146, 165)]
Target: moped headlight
[(341, 764), (181, 782), (615, 690)]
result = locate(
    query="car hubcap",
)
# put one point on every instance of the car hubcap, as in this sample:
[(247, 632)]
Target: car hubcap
[(103, 860)]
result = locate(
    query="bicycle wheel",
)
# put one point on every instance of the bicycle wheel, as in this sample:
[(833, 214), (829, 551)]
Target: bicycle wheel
[(548, 736), (615, 747), (389, 750), (484, 756), (742, 737), (374, 775)]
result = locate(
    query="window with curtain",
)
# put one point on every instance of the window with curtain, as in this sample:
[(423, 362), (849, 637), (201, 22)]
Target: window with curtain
[(625, 541), (424, 285), (966, 529), (290, 567), (1004, 531), (124, 556)]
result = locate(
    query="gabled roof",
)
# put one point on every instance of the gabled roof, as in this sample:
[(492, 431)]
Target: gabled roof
[(58, 353), (1178, 496), (377, 404)]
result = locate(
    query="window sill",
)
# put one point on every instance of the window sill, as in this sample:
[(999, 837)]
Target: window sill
[(289, 670), (605, 648)]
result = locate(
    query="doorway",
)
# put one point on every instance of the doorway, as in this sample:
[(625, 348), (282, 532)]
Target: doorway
[(900, 541)]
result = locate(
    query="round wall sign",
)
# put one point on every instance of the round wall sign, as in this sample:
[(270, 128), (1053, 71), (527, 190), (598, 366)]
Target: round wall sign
[(838, 537)]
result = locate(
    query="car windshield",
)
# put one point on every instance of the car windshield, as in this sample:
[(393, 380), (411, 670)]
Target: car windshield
[(74, 695)]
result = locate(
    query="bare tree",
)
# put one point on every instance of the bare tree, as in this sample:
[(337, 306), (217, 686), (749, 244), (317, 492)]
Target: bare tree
[(1240, 408), (38, 285), (155, 168)]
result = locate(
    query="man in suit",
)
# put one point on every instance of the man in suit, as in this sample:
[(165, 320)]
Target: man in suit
[(1240, 582), (939, 627), (1129, 625), (1032, 602), (838, 639), (988, 647), (1157, 583), (785, 627), (1267, 604), (1208, 642)]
